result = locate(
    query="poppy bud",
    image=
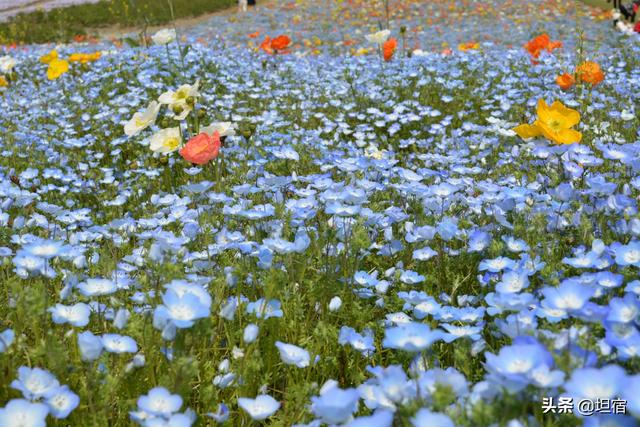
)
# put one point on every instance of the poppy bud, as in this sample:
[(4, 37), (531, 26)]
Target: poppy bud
[(164, 160), (201, 114), (164, 123), (15, 180), (190, 100), (403, 29), (177, 109)]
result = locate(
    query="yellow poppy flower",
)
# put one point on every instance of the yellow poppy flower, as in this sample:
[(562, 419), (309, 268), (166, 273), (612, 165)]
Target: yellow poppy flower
[(554, 123), (57, 67), (46, 59), (3, 81)]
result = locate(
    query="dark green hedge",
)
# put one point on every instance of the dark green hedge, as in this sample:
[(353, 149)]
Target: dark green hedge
[(64, 23)]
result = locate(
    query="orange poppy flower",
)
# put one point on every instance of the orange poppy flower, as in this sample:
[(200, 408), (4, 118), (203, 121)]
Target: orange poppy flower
[(540, 43), (201, 148), (565, 81), (590, 72), (389, 48), (468, 46), (254, 35), (266, 45), (280, 43)]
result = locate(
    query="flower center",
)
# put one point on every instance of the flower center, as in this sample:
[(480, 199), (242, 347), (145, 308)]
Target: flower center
[(172, 143)]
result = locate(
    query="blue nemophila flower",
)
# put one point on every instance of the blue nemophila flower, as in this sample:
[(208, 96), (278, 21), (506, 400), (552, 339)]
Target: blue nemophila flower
[(628, 254), (512, 282), (35, 383), (181, 310), (624, 310), (115, 343), (90, 346), (61, 402), (424, 254), (76, 315), (260, 408), (21, 412), (265, 309), (27, 265), (221, 415), (380, 418), (433, 379), (160, 402), (97, 287), (631, 394), (293, 355), (411, 277), (426, 418), (361, 342), (335, 405), (412, 337), (496, 265), (478, 241), (515, 245), (607, 382), (570, 296), (6, 339), (46, 249), (525, 362), (250, 333)]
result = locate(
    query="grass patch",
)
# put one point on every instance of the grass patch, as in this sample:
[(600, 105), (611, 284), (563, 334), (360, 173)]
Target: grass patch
[(63, 24)]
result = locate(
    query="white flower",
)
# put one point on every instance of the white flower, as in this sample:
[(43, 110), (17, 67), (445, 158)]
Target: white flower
[(166, 141), (164, 36), (379, 37), (223, 128), (626, 115), (177, 100), (260, 408), (6, 64), (335, 304), (143, 120), (419, 52)]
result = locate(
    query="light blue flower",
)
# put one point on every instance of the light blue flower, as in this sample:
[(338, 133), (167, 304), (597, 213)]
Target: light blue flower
[(293, 355), (182, 310), (115, 343), (426, 418), (160, 402), (260, 408), (76, 315), (21, 412), (335, 405), (35, 383), (250, 333), (90, 346), (6, 339), (412, 337), (61, 402), (607, 382)]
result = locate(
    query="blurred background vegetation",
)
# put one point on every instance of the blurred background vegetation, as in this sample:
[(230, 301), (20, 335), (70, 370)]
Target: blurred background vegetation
[(61, 25)]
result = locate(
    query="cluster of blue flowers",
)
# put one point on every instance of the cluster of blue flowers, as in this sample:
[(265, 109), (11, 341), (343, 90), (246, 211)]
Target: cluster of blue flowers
[(376, 239)]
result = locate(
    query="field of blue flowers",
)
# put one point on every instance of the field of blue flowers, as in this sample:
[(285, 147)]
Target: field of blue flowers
[(289, 217)]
